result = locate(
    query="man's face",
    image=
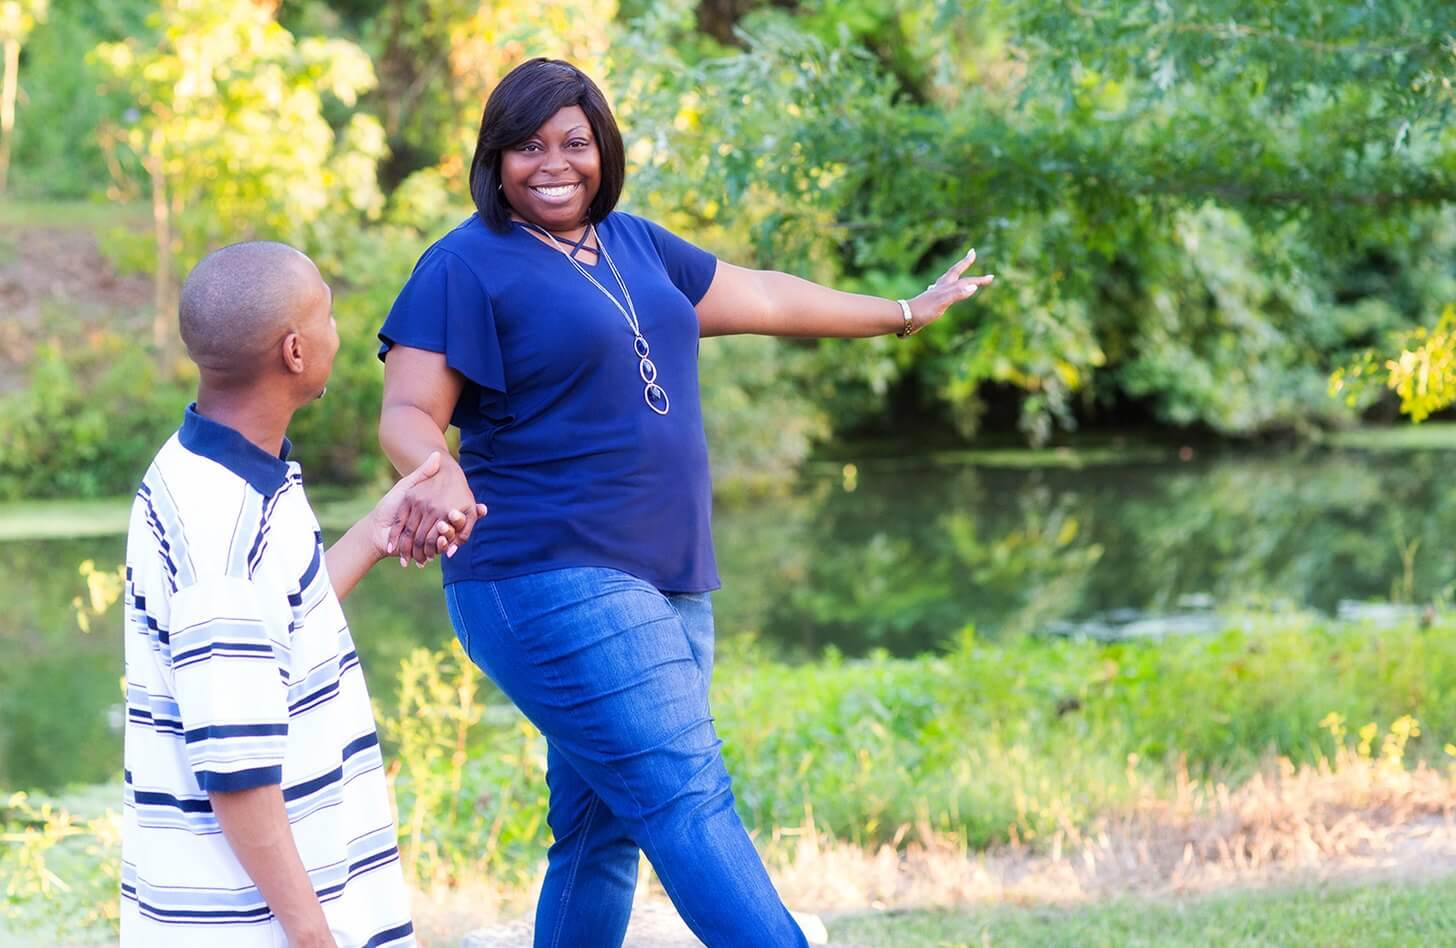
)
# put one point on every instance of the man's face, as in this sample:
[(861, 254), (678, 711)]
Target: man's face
[(320, 337)]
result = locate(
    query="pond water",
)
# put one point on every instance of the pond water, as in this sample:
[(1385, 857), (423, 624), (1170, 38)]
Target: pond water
[(878, 548)]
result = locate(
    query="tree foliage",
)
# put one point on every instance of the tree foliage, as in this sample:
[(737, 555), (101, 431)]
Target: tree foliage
[(1196, 210), (17, 19), (1183, 202), (229, 124)]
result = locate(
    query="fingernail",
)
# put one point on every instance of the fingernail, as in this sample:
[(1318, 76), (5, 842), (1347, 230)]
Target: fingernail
[(404, 562), (451, 552), (389, 549), (971, 252)]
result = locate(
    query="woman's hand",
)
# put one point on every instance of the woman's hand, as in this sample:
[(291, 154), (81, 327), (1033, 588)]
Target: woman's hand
[(945, 292), (387, 519), (439, 512)]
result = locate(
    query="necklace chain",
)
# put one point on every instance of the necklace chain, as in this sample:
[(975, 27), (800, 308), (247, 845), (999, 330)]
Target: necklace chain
[(654, 394)]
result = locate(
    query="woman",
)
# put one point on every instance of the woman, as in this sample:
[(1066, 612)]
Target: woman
[(560, 337)]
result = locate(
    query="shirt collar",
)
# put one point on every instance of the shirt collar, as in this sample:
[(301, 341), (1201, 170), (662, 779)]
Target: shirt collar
[(215, 441)]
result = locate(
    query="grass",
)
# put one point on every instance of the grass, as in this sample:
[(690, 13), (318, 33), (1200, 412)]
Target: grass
[(1389, 913), (1427, 436), (75, 519), (64, 519), (70, 215), (1030, 769)]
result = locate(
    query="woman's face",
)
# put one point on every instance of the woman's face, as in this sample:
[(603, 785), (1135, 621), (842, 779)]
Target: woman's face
[(551, 178)]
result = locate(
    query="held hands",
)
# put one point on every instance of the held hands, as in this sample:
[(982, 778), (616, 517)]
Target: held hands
[(945, 292), (418, 518)]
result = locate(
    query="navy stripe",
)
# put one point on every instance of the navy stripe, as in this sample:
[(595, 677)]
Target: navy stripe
[(214, 781), (360, 743), (317, 783), (220, 731), (309, 575), (392, 934), (318, 697), (155, 522), (158, 798), (265, 525), (369, 862), (164, 725), (224, 646), (260, 914)]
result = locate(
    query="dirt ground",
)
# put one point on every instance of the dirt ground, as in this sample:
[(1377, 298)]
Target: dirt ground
[(54, 281)]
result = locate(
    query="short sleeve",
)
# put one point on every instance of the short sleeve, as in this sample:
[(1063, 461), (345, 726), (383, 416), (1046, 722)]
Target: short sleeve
[(443, 308), (689, 267), (228, 653)]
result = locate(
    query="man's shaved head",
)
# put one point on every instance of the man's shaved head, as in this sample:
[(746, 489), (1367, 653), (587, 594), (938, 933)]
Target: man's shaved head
[(239, 302)]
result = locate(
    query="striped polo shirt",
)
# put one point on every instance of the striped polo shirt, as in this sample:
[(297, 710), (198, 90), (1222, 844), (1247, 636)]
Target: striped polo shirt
[(240, 673)]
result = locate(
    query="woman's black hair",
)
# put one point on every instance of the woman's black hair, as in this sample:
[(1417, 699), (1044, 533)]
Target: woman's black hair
[(519, 105)]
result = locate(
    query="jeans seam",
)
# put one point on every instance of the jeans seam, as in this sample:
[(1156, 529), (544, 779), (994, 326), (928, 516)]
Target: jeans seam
[(647, 829), (463, 632), (501, 608), (591, 815)]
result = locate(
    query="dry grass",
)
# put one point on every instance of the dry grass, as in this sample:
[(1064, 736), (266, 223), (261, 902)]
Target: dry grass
[(1360, 815), (1356, 815)]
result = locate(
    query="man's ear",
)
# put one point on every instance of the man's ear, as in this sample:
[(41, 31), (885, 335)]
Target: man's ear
[(292, 351)]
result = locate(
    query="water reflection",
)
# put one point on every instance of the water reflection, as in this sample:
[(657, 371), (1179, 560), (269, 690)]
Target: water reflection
[(897, 554), (917, 551)]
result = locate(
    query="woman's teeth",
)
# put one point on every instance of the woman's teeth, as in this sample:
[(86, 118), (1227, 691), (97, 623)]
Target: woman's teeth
[(559, 191)]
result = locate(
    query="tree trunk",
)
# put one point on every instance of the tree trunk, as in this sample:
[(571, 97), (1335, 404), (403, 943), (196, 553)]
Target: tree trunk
[(8, 92), (164, 284)]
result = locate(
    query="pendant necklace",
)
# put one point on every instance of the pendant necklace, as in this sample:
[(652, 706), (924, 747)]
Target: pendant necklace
[(652, 393)]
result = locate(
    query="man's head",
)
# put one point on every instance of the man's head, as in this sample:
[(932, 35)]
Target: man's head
[(258, 313)]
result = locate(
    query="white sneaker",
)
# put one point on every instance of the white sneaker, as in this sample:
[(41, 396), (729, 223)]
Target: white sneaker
[(812, 927)]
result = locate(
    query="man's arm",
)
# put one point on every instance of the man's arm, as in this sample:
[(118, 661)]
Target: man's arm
[(255, 824), (351, 556)]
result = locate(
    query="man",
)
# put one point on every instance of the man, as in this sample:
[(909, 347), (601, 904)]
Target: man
[(256, 807)]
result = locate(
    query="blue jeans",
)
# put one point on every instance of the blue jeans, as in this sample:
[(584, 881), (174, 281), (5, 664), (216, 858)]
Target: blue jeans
[(615, 674)]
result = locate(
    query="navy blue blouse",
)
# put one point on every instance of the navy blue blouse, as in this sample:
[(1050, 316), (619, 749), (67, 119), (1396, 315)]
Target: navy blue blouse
[(555, 434)]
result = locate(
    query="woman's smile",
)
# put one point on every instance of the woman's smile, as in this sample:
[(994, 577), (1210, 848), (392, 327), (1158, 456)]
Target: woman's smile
[(556, 193)]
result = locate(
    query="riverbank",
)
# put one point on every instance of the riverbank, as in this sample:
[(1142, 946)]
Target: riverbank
[(1037, 769)]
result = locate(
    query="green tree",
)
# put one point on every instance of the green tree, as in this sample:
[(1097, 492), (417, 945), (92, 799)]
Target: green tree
[(230, 128), (17, 19), (1195, 207)]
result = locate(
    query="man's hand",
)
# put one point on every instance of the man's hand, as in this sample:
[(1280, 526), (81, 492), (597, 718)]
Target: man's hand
[(395, 510), (415, 519), (441, 514)]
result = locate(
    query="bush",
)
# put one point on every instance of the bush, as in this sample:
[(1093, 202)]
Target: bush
[(90, 420)]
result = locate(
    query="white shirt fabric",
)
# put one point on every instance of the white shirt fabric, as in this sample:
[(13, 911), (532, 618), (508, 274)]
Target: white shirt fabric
[(240, 672)]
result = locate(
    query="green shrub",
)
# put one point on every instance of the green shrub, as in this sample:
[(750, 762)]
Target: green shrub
[(90, 420)]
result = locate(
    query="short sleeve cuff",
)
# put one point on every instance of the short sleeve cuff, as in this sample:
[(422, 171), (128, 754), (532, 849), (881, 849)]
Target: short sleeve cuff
[(443, 308), (213, 781)]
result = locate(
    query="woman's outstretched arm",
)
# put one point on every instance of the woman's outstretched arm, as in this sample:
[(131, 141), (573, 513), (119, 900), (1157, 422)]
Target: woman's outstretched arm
[(769, 303)]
